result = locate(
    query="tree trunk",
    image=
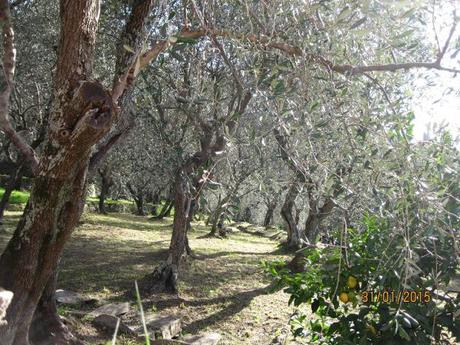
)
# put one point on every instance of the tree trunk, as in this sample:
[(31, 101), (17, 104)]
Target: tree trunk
[(47, 326), (82, 113), (155, 201), (102, 197), (31, 256), (164, 277), (14, 181), (294, 237), (269, 214), (315, 217), (106, 183), (139, 200)]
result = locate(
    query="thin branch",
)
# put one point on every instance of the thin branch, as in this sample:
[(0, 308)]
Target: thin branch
[(9, 62), (446, 45)]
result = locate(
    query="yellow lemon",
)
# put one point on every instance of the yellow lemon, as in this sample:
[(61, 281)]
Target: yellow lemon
[(352, 282), (343, 297)]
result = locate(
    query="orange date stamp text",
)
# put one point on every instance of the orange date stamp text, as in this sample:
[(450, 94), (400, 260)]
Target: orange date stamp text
[(393, 296)]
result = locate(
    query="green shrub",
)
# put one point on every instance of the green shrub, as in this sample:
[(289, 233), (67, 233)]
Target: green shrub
[(375, 258)]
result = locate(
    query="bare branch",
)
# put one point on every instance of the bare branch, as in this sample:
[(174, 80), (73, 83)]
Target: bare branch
[(446, 45), (9, 61)]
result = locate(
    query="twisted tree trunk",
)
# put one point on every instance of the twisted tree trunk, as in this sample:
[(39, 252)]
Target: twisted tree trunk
[(315, 217), (47, 326), (294, 234), (106, 183), (82, 114), (268, 219), (165, 276)]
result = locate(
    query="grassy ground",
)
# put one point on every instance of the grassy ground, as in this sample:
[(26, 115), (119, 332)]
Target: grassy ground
[(222, 291), (17, 197)]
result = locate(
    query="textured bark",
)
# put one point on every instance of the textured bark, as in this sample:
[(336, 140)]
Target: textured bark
[(165, 277), (294, 235), (82, 113), (315, 217), (268, 219), (140, 208), (106, 183), (47, 326)]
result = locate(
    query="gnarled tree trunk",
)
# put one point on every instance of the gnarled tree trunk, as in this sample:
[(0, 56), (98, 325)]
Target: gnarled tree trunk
[(106, 183), (47, 326), (164, 277), (82, 114), (294, 234), (315, 217), (268, 219)]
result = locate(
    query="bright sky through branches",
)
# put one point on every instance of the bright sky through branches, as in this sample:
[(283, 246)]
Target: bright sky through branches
[(439, 105)]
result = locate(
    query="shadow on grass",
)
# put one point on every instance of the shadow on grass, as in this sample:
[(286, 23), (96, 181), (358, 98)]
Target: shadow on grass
[(90, 265), (200, 256), (128, 221), (236, 303)]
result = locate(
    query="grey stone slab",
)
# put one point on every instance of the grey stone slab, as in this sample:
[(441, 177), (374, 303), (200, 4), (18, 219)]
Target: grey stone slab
[(114, 309), (109, 322), (203, 339), (162, 327)]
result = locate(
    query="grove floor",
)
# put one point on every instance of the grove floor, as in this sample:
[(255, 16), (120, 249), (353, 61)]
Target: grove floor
[(223, 291)]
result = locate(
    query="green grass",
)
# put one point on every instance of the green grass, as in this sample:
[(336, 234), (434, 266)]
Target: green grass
[(17, 197), (222, 289), (110, 201), (21, 197)]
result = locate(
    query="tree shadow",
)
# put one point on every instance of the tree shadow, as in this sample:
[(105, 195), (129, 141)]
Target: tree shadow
[(202, 256), (238, 302)]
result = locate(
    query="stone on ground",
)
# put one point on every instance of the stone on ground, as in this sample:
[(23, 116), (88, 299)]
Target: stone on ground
[(167, 342), (114, 309), (5, 300), (162, 327), (203, 339), (109, 322), (70, 297)]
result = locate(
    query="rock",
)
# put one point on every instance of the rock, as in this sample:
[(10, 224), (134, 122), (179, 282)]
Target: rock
[(162, 327), (70, 297), (114, 309), (167, 342), (5, 300), (109, 322), (203, 339)]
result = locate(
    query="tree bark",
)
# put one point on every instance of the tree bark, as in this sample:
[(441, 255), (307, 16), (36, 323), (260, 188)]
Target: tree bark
[(106, 183), (268, 219), (164, 277), (47, 326), (140, 208), (294, 235), (315, 217), (82, 113)]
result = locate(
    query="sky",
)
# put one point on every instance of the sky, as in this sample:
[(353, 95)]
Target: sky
[(431, 104)]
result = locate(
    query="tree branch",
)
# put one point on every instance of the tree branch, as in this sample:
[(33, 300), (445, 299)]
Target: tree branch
[(9, 62)]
